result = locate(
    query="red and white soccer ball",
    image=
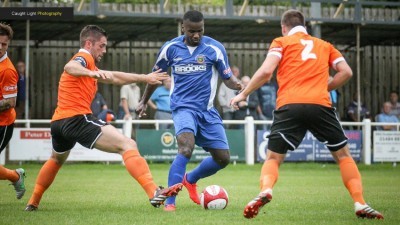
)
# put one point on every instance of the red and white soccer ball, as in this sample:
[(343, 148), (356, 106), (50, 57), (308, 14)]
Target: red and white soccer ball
[(214, 197)]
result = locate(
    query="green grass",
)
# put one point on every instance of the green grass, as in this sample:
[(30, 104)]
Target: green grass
[(306, 193)]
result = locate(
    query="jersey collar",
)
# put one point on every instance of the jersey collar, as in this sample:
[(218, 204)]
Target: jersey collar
[(84, 50), (3, 58), (297, 29)]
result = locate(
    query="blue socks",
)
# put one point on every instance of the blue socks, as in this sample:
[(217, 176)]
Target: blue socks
[(176, 173), (206, 168)]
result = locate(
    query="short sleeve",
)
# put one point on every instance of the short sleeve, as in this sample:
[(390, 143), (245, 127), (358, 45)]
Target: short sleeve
[(9, 86)]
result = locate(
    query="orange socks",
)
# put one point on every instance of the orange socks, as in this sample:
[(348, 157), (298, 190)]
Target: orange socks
[(139, 169), (352, 179), (7, 174), (45, 178), (269, 174)]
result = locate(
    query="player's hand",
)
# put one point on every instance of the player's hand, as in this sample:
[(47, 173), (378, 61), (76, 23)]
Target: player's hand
[(238, 98), (242, 104), (240, 86), (156, 77), (141, 109), (102, 74)]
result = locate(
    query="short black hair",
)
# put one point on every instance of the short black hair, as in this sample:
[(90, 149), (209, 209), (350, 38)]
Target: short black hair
[(292, 18), (91, 31), (6, 30), (193, 16)]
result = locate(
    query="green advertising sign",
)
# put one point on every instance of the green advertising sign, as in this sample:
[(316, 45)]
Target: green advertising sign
[(161, 145)]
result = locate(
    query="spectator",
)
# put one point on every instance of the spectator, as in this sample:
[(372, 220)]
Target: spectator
[(386, 117), (395, 104), (160, 101), (353, 110), (99, 107), (225, 95), (248, 107), (21, 96), (267, 98), (130, 96), (334, 96)]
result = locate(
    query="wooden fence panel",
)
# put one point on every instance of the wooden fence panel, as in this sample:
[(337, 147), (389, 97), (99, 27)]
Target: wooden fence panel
[(379, 71)]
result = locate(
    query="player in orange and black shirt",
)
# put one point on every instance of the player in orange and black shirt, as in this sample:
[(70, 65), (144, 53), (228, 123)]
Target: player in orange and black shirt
[(303, 104), (73, 121), (8, 98)]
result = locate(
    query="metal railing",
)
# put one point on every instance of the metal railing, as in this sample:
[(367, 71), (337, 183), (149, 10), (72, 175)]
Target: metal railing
[(249, 126)]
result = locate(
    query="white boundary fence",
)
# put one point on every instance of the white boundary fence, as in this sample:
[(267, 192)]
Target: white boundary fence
[(250, 137)]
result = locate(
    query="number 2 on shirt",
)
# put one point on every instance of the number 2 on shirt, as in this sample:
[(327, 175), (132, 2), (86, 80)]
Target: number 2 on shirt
[(306, 53)]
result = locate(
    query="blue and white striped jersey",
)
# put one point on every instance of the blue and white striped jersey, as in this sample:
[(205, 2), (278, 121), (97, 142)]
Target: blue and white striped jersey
[(194, 71)]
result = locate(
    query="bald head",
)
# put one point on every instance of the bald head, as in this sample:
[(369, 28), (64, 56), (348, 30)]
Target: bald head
[(245, 80)]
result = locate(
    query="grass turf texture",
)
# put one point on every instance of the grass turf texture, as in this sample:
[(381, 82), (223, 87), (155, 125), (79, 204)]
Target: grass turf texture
[(306, 193)]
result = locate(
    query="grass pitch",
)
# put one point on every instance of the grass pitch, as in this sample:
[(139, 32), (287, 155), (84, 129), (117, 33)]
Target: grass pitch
[(306, 193)]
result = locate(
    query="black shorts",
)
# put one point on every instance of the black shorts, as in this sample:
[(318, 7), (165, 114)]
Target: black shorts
[(292, 121), (84, 129), (6, 133)]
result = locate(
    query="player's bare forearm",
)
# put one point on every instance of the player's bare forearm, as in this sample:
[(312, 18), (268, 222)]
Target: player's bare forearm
[(155, 77), (122, 78), (148, 91), (233, 83), (263, 74), (7, 103)]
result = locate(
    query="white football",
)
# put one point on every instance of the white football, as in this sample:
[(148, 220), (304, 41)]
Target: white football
[(214, 197)]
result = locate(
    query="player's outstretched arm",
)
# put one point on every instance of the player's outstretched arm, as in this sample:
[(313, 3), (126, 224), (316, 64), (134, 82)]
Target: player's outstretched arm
[(261, 76), (122, 78), (74, 68)]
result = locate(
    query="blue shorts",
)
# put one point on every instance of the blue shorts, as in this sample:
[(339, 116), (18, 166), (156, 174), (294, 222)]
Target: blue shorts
[(206, 126)]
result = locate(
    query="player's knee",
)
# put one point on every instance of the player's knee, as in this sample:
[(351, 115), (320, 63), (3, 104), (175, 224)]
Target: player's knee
[(222, 160), (187, 152), (128, 144)]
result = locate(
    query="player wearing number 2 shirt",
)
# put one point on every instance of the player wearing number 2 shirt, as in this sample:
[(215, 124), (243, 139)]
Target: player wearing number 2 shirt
[(303, 104)]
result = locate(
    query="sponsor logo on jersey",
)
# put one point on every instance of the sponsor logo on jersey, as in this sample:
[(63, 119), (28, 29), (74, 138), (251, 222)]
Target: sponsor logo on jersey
[(156, 67), (10, 88), (200, 59), (190, 68)]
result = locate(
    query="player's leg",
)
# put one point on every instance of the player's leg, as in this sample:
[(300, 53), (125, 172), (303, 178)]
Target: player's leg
[(352, 180), (15, 176), (185, 122), (113, 141), (286, 134), (218, 160), (326, 127), (211, 136), (45, 178), (178, 167)]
